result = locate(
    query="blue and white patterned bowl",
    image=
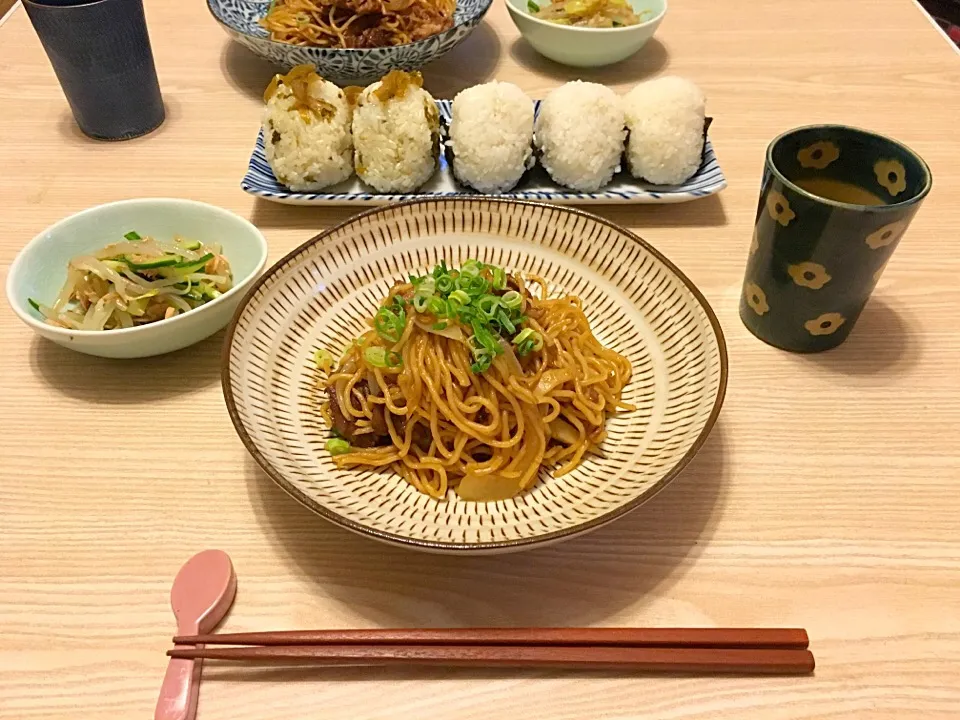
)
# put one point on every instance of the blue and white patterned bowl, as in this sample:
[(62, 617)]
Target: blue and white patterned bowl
[(343, 66)]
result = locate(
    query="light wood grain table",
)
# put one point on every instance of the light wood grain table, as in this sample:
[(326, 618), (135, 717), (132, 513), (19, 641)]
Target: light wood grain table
[(828, 495)]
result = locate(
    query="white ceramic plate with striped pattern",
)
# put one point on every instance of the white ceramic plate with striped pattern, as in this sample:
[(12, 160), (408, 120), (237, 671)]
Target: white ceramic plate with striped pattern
[(536, 185), (319, 295)]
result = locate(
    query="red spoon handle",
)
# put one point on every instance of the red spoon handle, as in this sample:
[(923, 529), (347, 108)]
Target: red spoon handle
[(202, 593), (179, 692)]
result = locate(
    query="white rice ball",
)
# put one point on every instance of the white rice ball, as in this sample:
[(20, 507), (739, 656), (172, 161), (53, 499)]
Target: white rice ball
[(665, 118), (309, 146), (580, 133), (396, 137), (491, 133)]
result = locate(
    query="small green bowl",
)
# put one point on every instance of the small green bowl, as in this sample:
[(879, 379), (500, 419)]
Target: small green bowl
[(40, 270), (586, 47)]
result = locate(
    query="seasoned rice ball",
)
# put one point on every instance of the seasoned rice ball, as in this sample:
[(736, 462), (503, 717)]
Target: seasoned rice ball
[(307, 130), (580, 133), (396, 132), (491, 135), (665, 118)]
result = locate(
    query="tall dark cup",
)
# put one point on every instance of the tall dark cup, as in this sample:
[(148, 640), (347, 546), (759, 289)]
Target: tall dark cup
[(834, 203), (101, 54)]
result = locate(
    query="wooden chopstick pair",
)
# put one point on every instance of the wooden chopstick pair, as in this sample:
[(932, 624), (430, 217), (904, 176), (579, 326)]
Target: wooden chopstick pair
[(780, 651)]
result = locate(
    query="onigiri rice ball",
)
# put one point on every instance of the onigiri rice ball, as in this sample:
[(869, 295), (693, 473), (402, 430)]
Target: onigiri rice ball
[(396, 132), (665, 118), (491, 135), (580, 133), (307, 135)]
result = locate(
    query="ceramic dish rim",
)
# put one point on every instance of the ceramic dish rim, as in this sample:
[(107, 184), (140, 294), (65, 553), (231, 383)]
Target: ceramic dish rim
[(476, 19), (806, 194), (40, 326), (488, 546), (626, 28)]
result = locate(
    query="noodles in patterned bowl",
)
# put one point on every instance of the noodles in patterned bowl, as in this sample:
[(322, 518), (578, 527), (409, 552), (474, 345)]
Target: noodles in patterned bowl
[(352, 41), (470, 376)]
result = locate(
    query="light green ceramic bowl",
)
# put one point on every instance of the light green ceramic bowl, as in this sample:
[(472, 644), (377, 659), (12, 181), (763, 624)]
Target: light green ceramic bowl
[(40, 270), (586, 47)]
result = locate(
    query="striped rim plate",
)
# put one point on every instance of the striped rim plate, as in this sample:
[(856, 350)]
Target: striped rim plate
[(536, 185), (321, 294)]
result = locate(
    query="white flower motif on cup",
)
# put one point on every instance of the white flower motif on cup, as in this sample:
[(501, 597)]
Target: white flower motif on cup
[(756, 298), (885, 235), (826, 324), (818, 155), (892, 175)]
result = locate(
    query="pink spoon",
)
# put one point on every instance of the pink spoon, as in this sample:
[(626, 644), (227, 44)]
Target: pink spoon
[(202, 593)]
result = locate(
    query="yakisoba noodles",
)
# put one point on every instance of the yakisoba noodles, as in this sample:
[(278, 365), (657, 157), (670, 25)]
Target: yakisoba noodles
[(357, 23), (467, 379)]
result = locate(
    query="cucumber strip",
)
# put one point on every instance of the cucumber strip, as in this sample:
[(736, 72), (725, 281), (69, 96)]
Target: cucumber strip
[(191, 266), (168, 261)]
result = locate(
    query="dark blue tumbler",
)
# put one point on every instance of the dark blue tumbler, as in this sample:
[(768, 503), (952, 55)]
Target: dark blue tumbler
[(101, 54)]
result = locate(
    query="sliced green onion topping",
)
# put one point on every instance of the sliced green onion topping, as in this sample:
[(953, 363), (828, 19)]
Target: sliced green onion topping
[(337, 446), (528, 341), (440, 269), (459, 297), (323, 359), (376, 356), (390, 324), (437, 306), (474, 286), (133, 235), (482, 359), (444, 284), (381, 357), (34, 304), (426, 287), (505, 323), (470, 269), (511, 299), (470, 297), (488, 305), (524, 335)]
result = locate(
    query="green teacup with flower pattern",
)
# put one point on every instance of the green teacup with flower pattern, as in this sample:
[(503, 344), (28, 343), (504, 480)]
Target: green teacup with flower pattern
[(834, 204)]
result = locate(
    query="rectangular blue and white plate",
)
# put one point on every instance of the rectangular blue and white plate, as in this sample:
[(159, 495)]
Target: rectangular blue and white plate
[(535, 184)]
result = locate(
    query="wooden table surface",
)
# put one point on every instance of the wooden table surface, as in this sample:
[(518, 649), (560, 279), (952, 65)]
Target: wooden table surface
[(826, 497)]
